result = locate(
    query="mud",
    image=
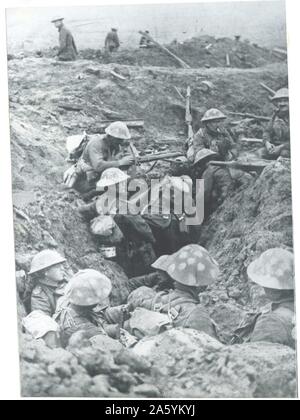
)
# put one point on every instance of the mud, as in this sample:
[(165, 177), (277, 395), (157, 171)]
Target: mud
[(249, 222)]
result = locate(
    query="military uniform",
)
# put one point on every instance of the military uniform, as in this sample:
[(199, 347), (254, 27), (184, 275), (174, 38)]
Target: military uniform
[(218, 184), (277, 133), (218, 141), (112, 41), (44, 298), (105, 322), (184, 308), (67, 47), (276, 324)]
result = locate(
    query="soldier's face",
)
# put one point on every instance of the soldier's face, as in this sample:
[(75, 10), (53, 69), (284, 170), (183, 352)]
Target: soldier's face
[(214, 125), (57, 24), (283, 105), (55, 273)]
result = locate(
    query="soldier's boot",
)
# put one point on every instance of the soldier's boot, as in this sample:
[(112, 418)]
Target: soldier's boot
[(88, 211)]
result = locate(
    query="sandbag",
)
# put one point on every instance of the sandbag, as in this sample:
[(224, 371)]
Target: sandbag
[(39, 324), (148, 323), (106, 228)]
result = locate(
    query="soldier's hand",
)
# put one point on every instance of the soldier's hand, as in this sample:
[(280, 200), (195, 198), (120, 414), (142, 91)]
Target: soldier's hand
[(126, 161), (270, 147)]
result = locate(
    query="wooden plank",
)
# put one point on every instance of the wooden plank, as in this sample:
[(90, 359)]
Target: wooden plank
[(280, 51), (268, 89), (118, 76), (130, 124), (177, 59)]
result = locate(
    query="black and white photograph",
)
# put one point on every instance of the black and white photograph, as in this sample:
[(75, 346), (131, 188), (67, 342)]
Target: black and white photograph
[(152, 202)]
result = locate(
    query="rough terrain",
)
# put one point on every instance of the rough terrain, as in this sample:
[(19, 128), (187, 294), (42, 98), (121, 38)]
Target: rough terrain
[(255, 219)]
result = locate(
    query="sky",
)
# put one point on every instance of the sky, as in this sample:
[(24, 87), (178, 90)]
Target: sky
[(262, 22)]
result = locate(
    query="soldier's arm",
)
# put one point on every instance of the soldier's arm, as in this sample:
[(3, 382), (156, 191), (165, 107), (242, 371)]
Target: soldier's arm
[(200, 320), (97, 160), (40, 302), (199, 140), (149, 280)]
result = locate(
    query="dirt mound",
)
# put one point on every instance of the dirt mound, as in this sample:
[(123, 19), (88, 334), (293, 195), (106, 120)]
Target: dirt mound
[(83, 372), (68, 98), (190, 364), (205, 51), (254, 220)]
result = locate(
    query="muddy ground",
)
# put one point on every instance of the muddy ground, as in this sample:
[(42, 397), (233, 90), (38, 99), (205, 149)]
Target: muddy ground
[(252, 220)]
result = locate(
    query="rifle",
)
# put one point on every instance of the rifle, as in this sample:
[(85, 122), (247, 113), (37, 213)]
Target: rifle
[(254, 117), (244, 166), (188, 115), (159, 156)]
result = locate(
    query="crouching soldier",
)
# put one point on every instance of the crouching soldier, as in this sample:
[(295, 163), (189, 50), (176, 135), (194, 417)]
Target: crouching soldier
[(191, 269), (218, 182), (214, 136), (86, 291), (277, 135), (102, 152), (274, 271), (47, 277)]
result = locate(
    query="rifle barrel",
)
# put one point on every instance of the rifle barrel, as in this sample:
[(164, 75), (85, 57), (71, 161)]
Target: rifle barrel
[(160, 156)]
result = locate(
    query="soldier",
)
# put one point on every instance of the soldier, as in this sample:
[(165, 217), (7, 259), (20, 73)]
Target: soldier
[(67, 47), (214, 136), (218, 182), (277, 136), (112, 42), (192, 269), (103, 152), (274, 271), (48, 277), (87, 290)]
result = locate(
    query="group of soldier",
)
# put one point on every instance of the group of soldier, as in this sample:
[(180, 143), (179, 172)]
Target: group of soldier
[(67, 47), (169, 281)]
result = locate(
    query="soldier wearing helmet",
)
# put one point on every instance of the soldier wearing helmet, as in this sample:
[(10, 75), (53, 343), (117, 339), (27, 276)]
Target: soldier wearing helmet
[(277, 135), (191, 270), (67, 47), (105, 151), (214, 136), (47, 275), (87, 310), (275, 323)]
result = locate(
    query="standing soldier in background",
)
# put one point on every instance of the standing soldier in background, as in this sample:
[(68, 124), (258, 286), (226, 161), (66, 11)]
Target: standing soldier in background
[(112, 42), (67, 47), (277, 136)]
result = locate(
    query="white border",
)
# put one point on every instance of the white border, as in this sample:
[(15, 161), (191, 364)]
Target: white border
[(9, 367)]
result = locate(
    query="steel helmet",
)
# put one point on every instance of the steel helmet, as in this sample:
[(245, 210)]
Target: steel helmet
[(88, 288), (213, 115), (162, 263), (193, 266), (112, 176), (57, 19), (118, 130), (281, 94), (204, 155), (274, 269), (45, 259)]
